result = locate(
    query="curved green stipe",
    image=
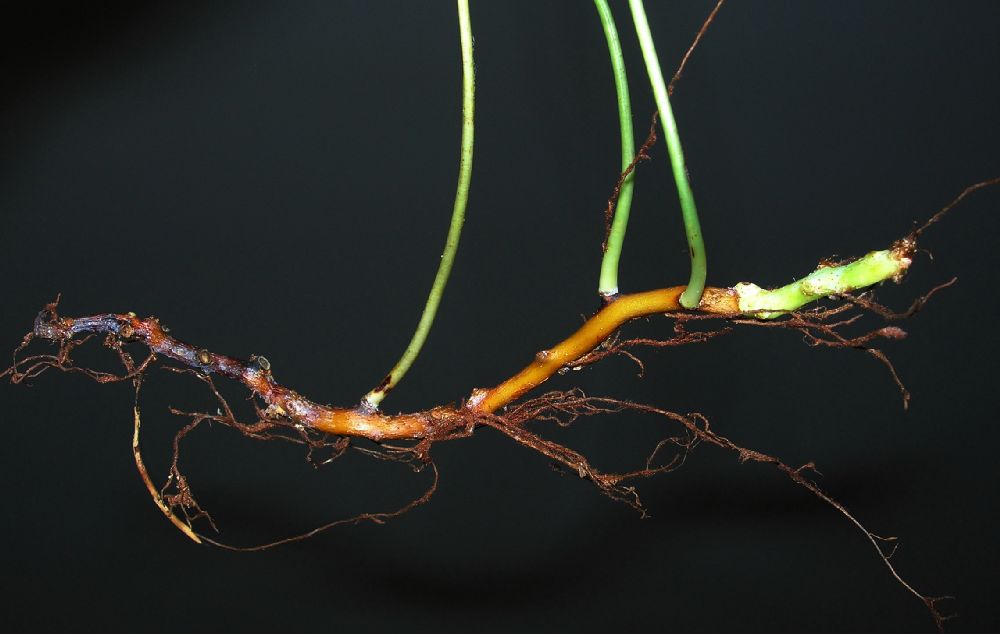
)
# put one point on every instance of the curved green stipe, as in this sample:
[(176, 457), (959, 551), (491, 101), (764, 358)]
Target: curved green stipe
[(608, 284), (375, 396), (692, 227)]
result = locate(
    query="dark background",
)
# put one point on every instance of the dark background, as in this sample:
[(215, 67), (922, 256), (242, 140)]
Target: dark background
[(276, 178)]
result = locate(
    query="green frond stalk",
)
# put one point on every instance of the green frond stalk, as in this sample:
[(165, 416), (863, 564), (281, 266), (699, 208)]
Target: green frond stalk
[(608, 284), (692, 228), (375, 396)]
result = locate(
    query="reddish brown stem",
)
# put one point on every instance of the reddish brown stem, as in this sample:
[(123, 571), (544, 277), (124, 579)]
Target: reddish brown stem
[(433, 423)]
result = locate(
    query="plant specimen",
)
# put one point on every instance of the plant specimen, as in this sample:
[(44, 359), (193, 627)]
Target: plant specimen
[(699, 313)]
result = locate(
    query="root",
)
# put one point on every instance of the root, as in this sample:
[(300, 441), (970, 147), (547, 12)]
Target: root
[(176, 498), (376, 518), (284, 415), (325, 432), (697, 40), (158, 499), (564, 408), (615, 345), (818, 330), (641, 155), (890, 315), (954, 203)]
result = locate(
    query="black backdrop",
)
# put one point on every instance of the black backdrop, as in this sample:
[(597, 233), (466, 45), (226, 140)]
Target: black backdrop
[(276, 178)]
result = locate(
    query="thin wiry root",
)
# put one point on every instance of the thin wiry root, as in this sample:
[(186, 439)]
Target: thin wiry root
[(641, 155), (158, 500), (176, 493), (954, 203), (826, 327), (697, 40), (888, 314), (566, 407), (375, 518), (33, 366), (615, 345)]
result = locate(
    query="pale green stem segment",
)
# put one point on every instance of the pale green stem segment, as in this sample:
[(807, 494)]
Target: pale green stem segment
[(608, 285), (873, 268), (696, 246), (374, 397)]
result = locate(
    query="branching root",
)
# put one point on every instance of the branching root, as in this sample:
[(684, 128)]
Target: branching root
[(284, 415)]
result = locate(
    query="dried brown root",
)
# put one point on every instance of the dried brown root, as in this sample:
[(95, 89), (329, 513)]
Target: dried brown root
[(641, 155), (954, 203), (615, 345), (566, 407), (30, 367), (818, 331), (826, 327), (380, 517), (697, 40), (177, 500), (164, 504), (864, 301)]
